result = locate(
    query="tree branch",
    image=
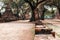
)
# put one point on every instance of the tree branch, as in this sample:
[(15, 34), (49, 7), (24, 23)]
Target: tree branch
[(37, 1), (40, 2), (29, 3)]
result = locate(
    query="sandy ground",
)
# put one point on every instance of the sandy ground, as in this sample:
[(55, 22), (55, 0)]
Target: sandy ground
[(17, 31)]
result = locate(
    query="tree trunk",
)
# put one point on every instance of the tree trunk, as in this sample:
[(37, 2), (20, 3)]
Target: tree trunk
[(17, 14), (58, 13), (33, 16), (17, 11), (42, 16), (0, 15), (59, 10)]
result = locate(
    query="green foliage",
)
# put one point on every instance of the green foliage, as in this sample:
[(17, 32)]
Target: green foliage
[(21, 2), (13, 5)]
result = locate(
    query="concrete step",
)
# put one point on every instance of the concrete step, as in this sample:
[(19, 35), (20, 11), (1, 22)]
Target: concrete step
[(43, 31), (45, 37)]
